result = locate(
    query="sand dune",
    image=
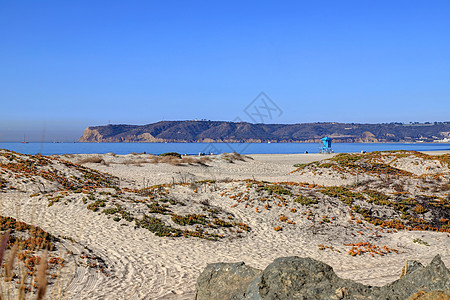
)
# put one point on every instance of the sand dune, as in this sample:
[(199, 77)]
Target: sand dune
[(145, 266)]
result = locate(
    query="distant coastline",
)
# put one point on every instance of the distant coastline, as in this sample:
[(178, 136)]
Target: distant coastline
[(242, 132)]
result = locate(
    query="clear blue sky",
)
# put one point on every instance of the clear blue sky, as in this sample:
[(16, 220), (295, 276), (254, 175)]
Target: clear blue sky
[(66, 65)]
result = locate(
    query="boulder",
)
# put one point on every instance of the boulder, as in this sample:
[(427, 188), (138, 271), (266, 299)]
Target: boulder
[(434, 277), (224, 281), (410, 266), (305, 278), (291, 278)]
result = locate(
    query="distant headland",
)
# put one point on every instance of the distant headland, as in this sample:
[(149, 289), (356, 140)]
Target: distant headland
[(193, 131)]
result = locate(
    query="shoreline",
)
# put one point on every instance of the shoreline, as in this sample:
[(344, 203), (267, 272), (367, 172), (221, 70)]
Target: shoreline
[(186, 142), (195, 149)]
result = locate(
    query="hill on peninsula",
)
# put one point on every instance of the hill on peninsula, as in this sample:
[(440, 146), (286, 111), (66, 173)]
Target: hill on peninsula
[(221, 131)]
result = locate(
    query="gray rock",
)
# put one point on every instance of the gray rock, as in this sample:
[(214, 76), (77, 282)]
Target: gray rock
[(302, 278), (410, 266), (224, 281), (437, 295), (434, 277), (296, 278)]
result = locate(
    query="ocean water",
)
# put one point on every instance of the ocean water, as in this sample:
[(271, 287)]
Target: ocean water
[(215, 148)]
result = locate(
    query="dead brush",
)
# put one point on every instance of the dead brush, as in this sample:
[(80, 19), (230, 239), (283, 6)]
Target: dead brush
[(232, 157), (175, 161), (188, 160), (362, 183), (165, 160), (135, 162), (441, 188), (195, 161), (26, 273), (203, 160), (398, 187), (41, 280), (172, 160), (93, 160)]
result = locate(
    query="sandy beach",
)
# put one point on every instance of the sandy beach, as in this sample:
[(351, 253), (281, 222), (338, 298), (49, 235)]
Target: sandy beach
[(224, 150), (233, 189)]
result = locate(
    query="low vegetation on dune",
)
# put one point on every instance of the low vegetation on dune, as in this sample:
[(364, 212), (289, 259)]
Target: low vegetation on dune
[(394, 211), (62, 182), (152, 208), (400, 190), (414, 187), (234, 156), (400, 163), (34, 260), (179, 160), (171, 158), (42, 173)]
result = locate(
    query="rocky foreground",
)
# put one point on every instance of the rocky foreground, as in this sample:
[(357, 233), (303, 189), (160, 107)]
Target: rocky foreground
[(293, 278)]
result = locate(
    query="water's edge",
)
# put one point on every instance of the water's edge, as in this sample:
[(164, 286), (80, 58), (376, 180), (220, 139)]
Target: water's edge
[(215, 148)]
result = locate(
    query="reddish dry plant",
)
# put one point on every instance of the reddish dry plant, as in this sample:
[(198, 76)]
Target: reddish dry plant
[(41, 278), (361, 248), (283, 218)]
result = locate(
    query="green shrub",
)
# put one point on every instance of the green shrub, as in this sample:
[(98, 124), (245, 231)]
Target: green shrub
[(303, 200), (158, 209), (344, 194), (95, 206), (422, 242), (174, 154), (222, 223), (190, 219), (275, 189), (378, 198), (157, 226), (300, 165)]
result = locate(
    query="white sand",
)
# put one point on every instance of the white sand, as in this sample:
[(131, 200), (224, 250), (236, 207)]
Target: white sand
[(149, 267)]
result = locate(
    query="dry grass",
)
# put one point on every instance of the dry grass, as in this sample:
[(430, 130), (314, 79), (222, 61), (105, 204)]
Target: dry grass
[(93, 160), (232, 157), (156, 159), (26, 272), (135, 162), (12, 258), (40, 280), (175, 161), (445, 187)]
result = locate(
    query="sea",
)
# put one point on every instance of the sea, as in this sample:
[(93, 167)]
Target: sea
[(214, 148)]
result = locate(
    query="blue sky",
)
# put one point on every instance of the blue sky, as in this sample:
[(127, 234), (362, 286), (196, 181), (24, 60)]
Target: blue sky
[(66, 65)]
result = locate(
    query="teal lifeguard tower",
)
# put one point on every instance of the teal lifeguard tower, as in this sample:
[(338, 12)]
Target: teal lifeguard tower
[(326, 145)]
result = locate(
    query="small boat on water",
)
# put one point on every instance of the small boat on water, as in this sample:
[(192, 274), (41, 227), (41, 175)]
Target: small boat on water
[(24, 141)]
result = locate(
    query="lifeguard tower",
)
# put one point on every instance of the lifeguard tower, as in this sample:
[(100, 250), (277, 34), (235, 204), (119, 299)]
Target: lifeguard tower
[(326, 145)]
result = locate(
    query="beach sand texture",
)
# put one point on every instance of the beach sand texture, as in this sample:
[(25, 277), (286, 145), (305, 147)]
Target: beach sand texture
[(141, 265)]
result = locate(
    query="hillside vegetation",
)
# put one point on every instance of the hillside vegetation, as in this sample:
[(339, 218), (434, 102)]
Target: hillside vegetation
[(217, 131)]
